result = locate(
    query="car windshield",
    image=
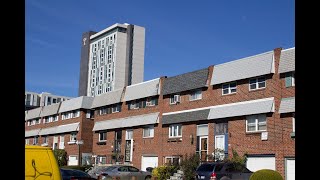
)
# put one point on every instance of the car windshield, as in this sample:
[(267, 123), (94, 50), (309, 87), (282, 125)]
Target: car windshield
[(206, 167), (210, 167)]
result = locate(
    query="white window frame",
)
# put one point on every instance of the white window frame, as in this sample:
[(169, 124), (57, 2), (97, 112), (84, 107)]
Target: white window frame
[(293, 123), (256, 123), (151, 101), (171, 158), (35, 140), (195, 95), (73, 137), (115, 108), (174, 130), (129, 134), (55, 118), (229, 88), (257, 83), (28, 123), (149, 129), (175, 98), (134, 105), (293, 79), (46, 120), (105, 136), (100, 160)]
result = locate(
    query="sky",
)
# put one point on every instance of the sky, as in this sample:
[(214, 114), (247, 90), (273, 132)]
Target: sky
[(181, 35)]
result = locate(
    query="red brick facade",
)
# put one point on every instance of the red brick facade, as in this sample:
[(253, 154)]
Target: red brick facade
[(279, 142)]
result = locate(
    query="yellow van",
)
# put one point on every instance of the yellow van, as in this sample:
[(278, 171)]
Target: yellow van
[(41, 164)]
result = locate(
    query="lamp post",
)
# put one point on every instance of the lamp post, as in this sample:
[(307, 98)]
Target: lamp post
[(79, 142)]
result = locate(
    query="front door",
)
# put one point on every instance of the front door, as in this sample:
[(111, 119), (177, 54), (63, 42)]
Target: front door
[(203, 147)]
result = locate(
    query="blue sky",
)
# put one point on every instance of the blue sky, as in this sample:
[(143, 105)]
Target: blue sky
[(181, 35)]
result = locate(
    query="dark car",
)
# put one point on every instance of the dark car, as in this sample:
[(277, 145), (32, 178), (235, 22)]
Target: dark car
[(124, 173), (74, 174), (222, 171)]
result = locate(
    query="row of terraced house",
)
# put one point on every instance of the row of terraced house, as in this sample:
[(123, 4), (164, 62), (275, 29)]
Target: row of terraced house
[(246, 105)]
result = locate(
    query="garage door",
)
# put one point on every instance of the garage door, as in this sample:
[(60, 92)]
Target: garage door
[(257, 163), (149, 161), (290, 169)]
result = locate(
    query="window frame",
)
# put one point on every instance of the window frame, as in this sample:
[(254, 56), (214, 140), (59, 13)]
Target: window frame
[(73, 137), (195, 95), (293, 123), (256, 123), (256, 83), (172, 99), (175, 128), (229, 88), (150, 129), (171, 158), (102, 136), (35, 140)]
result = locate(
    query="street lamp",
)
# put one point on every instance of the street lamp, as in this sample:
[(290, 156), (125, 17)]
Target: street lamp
[(79, 142)]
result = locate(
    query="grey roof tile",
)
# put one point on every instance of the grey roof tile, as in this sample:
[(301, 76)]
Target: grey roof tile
[(184, 82)]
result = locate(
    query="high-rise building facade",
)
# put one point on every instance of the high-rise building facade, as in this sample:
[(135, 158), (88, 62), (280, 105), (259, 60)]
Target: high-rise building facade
[(34, 100), (111, 59)]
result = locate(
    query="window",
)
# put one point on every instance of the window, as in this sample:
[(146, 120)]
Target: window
[(71, 114), (27, 141), (116, 108), (37, 121), (28, 123), (293, 123), (195, 95), (290, 79), (45, 140), (229, 88), (152, 101), (172, 160), (55, 118), (256, 123), (148, 132), (101, 160), (257, 83), (73, 137), (102, 136), (46, 119), (134, 105), (103, 110), (174, 99), (175, 131), (129, 134), (35, 140)]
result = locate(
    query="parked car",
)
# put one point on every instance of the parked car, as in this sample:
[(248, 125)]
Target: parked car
[(124, 173), (74, 174), (96, 170), (222, 171)]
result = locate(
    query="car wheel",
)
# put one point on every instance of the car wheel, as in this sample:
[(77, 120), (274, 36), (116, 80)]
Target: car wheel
[(148, 178), (225, 178)]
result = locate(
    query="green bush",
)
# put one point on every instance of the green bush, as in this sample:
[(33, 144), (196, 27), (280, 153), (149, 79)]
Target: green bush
[(266, 174), (61, 156), (163, 172), (189, 165), (239, 161)]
